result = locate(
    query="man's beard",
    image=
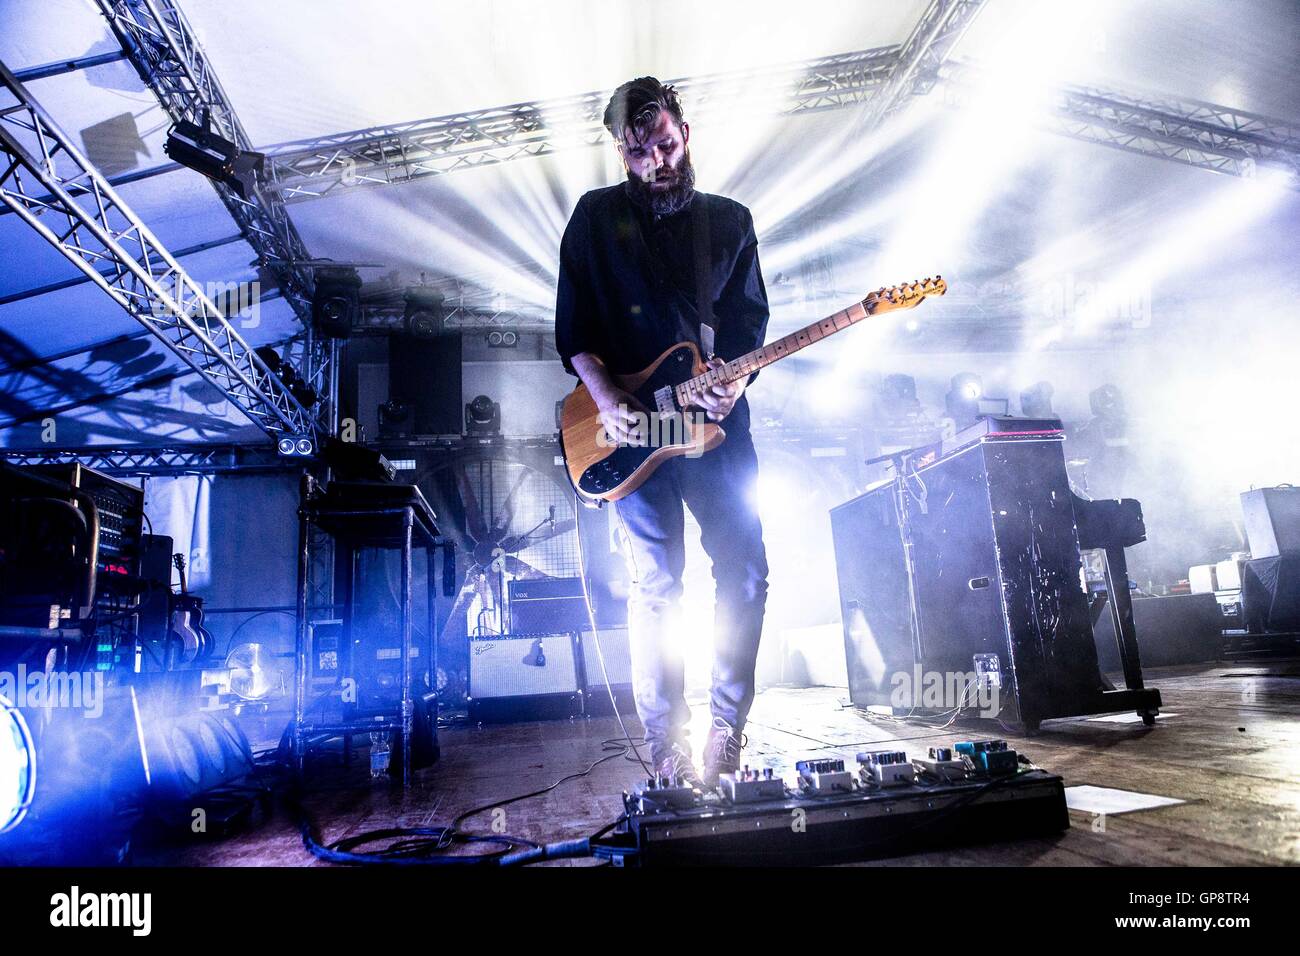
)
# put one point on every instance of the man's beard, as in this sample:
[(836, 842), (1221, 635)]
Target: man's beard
[(665, 202)]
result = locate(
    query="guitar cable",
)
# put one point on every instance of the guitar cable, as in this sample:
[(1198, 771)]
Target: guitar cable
[(429, 845), (595, 634)]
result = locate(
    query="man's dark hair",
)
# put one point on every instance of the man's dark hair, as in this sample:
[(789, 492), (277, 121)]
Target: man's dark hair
[(638, 103)]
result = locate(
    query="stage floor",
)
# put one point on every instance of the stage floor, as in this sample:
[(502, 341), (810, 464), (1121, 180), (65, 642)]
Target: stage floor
[(1229, 748)]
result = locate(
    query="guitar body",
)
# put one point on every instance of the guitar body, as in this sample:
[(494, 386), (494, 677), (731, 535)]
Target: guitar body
[(192, 641), (189, 641), (601, 470)]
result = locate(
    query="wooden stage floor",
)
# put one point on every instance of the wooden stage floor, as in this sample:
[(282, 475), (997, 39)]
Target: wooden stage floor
[(1229, 747)]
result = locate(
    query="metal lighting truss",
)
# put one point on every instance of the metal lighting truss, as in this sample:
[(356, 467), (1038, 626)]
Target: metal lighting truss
[(382, 155), (84, 218), (1192, 132), (1198, 134), (916, 70), (198, 458), (162, 46)]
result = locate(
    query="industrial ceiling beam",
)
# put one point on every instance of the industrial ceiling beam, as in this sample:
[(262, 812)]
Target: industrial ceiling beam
[(84, 219)]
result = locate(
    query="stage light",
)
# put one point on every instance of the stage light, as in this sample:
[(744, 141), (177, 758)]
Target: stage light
[(270, 358), (200, 149), (897, 395), (503, 340), (426, 316), (396, 417), (968, 386), (483, 416), (17, 766), (296, 446), (1036, 401), (963, 399), (775, 493), (252, 675), (1107, 403), (336, 301)]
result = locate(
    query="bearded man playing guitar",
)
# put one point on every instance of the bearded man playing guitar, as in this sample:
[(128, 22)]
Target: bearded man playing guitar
[(645, 265)]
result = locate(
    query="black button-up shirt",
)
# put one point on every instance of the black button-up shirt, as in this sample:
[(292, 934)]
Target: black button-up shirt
[(627, 287)]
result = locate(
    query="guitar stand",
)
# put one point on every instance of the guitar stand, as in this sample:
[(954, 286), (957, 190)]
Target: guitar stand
[(359, 515)]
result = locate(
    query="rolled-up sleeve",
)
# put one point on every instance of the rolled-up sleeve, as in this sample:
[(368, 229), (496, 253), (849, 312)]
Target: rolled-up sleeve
[(742, 310), (576, 318)]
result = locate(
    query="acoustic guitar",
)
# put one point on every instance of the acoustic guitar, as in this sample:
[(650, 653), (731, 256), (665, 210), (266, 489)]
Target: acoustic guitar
[(190, 641), (669, 389)]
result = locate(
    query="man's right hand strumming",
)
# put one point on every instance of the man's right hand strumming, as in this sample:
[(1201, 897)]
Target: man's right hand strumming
[(622, 415), (618, 408)]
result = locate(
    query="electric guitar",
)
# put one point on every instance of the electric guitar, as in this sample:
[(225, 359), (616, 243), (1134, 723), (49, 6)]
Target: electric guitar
[(669, 389)]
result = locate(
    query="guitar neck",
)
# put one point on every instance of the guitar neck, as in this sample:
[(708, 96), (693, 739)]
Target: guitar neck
[(765, 355)]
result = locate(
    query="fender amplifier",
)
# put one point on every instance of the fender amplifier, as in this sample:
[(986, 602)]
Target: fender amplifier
[(528, 677)]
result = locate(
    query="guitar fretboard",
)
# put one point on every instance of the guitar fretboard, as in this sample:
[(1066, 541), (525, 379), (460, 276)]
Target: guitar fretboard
[(765, 355)]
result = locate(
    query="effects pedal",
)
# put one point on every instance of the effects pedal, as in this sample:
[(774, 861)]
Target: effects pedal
[(663, 793), (886, 768), (989, 756), (824, 776), (751, 786), (942, 763)]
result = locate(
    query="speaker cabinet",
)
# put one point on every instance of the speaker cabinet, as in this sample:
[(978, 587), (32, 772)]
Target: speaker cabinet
[(1272, 517), (994, 579), (426, 374), (1175, 629)]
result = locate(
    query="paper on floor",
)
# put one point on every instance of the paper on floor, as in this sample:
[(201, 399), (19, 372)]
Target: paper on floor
[(1090, 799)]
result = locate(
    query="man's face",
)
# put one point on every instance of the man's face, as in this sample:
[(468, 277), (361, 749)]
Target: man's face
[(659, 165), (656, 160)]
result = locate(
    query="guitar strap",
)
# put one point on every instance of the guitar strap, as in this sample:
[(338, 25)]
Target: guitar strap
[(703, 269), (703, 273)]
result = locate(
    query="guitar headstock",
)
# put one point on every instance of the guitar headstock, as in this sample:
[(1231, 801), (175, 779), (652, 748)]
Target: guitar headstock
[(178, 562), (904, 296)]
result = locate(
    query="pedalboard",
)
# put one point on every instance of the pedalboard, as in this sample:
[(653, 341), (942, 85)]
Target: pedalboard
[(972, 791)]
